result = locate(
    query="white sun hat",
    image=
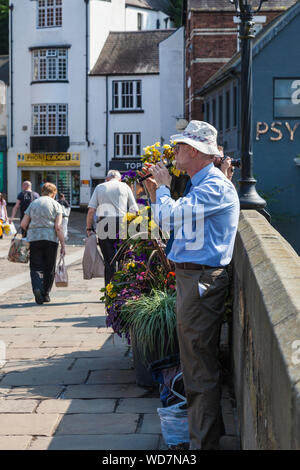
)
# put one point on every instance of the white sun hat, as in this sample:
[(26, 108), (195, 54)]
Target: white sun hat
[(200, 135)]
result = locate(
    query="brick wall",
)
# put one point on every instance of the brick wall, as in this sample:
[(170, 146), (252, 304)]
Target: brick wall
[(210, 40)]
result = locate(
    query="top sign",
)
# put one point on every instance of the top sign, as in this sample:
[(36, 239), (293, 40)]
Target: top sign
[(125, 165)]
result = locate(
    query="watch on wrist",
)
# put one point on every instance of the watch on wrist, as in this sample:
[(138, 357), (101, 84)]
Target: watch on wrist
[(89, 229)]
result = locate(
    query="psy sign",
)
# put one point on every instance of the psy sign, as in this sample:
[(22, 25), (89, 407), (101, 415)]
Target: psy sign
[(286, 104)]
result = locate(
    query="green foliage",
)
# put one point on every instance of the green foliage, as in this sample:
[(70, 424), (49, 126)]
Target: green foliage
[(152, 319), (175, 11), (4, 16)]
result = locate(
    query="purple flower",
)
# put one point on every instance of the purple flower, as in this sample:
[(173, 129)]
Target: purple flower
[(141, 258), (142, 201)]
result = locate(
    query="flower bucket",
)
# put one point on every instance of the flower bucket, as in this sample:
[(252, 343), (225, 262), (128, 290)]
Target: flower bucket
[(142, 361)]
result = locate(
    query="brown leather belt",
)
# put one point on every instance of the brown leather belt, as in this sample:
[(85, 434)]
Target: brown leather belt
[(196, 266)]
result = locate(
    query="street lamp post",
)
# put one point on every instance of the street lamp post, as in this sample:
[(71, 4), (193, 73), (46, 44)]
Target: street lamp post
[(249, 199)]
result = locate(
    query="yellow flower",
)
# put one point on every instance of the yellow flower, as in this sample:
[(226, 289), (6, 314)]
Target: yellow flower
[(138, 220), (130, 265), (167, 146), (175, 172), (152, 225), (129, 217), (157, 144), (109, 287), (144, 210)]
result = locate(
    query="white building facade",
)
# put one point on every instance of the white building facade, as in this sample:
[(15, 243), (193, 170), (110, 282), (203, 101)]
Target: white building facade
[(53, 46)]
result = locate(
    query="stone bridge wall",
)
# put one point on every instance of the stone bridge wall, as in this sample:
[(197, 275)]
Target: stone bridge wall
[(266, 336)]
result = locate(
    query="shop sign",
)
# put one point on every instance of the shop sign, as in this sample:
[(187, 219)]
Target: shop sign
[(277, 130), (125, 165), (48, 159)]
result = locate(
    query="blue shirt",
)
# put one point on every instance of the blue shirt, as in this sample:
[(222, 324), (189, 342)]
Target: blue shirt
[(205, 221)]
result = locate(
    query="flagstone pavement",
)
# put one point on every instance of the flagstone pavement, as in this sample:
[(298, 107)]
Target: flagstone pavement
[(66, 382)]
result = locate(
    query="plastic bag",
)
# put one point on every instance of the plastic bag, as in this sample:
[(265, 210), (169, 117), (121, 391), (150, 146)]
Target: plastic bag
[(9, 229), (174, 420), (163, 373), (174, 424), (92, 261), (61, 275), (19, 250)]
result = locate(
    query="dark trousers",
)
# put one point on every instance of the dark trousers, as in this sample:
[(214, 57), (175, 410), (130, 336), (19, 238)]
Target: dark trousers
[(199, 321), (108, 250), (107, 232), (42, 265)]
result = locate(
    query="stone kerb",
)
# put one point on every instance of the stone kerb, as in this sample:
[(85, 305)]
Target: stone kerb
[(266, 335)]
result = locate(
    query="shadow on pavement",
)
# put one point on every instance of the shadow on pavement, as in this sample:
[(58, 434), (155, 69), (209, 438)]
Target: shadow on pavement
[(32, 304)]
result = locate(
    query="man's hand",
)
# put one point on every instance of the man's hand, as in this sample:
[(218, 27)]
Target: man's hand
[(150, 183), (161, 174), (62, 251), (89, 221), (226, 168)]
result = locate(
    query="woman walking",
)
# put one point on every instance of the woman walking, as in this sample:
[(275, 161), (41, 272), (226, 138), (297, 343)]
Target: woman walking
[(3, 213), (43, 223)]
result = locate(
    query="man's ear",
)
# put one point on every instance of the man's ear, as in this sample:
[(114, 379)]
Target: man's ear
[(194, 152)]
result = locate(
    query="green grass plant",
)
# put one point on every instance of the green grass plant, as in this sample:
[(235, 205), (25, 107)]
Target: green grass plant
[(152, 320)]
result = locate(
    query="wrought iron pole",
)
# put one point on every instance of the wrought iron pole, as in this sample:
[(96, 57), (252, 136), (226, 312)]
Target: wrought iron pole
[(249, 199)]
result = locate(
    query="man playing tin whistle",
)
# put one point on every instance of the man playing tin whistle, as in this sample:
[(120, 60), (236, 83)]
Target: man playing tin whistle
[(203, 225)]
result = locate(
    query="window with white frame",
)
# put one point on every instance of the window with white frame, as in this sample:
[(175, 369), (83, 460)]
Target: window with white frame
[(49, 64), (49, 13), (127, 95), (127, 144), (49, 119)]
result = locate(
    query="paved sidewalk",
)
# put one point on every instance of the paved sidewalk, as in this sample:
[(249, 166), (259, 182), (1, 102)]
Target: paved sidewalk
[(67, 382)]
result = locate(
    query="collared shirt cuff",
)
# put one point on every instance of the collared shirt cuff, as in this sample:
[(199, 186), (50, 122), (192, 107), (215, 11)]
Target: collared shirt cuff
[(163, 190)]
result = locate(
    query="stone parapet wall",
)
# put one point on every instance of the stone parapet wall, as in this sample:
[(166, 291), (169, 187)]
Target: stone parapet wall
[(266, 336)]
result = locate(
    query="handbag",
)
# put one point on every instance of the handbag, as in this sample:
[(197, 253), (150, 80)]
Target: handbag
[(61, 275), (19, 249)]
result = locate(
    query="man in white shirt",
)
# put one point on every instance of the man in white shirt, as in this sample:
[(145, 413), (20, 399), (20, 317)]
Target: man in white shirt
[(110, 201)]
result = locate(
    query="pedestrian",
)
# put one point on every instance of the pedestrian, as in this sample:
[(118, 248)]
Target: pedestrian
[(201, 250), (110, 201), (3, 212), (66, 213), (24, 199), (43, 222)]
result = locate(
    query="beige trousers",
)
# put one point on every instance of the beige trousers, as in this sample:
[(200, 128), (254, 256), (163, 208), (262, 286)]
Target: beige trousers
[(199, 321)]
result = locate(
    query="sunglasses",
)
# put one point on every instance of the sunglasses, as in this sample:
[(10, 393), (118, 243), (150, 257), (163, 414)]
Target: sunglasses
[(176, 147)]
